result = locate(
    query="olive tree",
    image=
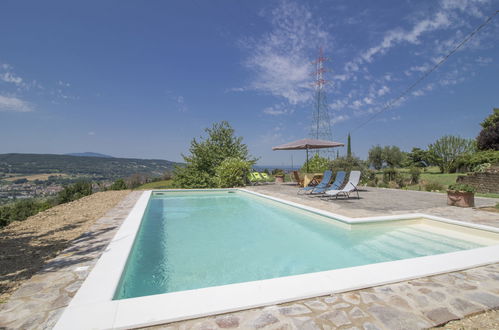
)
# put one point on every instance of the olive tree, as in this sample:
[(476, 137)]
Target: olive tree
[(445, 151)]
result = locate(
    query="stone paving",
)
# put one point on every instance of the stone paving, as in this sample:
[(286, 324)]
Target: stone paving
[(414, 304), (40, 301)]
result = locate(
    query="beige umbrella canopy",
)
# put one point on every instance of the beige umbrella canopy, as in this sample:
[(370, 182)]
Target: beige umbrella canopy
[(308, 144)]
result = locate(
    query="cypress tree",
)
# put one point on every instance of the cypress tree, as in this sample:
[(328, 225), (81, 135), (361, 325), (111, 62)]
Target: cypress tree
[(349, 147)]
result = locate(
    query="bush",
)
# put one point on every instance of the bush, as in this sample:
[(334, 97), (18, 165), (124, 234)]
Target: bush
[(472, 162), (382, 185), (118, 185), (389, 174), (316, 164), (207, 155), (415, 173), (462, 187), (232, 172), (369, 177), (74, 192), (433, 186), (22, 209)]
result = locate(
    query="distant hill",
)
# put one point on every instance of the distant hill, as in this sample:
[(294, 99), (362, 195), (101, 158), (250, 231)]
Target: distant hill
[(96, 167), (89, 154)]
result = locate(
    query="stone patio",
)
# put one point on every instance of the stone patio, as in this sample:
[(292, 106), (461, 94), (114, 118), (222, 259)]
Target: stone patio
[(414, 304)]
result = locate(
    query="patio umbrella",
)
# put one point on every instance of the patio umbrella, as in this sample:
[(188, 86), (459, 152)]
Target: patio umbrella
[(308, 144)]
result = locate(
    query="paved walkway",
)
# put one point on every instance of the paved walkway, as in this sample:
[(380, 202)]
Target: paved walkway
[(379, 201), (412, 304)]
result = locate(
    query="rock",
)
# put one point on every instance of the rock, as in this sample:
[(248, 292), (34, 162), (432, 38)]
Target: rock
[(295, 309), (393, 318), (489, 300), (227, 321), (357, 313), (339, 318), (341, 305), (440, 315), (331, 300), (305, 323), (351, 297), (264, 320), (317, 305)]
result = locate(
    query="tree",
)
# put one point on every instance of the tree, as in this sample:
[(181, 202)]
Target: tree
[(349, 146), (316, 164), (489, 135), (418, 157), (232, 172), (207, 154), (445, 151), (375, 157), (393, 156)]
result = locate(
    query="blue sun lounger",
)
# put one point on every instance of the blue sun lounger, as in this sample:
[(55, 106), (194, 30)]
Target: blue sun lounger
[(338, 182), (324, 182)]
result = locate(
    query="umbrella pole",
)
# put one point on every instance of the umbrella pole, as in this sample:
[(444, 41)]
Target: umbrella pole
[(307, 160)]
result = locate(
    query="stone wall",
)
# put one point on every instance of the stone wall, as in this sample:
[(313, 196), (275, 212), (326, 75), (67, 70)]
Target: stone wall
[(486, 182)]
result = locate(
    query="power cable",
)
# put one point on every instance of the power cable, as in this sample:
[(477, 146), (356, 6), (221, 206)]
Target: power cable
[(428, 72)]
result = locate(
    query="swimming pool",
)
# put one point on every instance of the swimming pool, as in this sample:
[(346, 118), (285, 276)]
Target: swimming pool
[(194, 240), (258, 258)]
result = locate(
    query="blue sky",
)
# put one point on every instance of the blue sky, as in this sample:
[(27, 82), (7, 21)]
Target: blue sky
[(141, 79)]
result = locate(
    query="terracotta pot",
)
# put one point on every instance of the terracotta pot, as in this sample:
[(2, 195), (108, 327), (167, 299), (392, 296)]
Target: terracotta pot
[(460, 198), (279, 178)]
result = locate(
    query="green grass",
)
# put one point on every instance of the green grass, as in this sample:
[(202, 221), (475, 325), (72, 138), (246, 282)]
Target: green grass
[(489, 195), (164, 184)]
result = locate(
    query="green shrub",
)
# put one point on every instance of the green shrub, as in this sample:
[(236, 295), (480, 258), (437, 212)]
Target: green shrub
[(415, 173), (389, 174), (462, 187), (23, 209), (74, 192), (473, 162), (383, 185), (369, 177), (497, 206), (433, 186), (118, 185), (316, 164), (232, 172)]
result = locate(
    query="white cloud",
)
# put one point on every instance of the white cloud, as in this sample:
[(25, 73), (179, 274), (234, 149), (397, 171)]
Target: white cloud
[(9, 103), (280, 59), (394, 37), (91, 133), (278, 109), (339, 119), (383, 90), (10, 77)]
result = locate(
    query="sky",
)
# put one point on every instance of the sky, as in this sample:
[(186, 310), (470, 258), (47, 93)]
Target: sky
[(141, 79)]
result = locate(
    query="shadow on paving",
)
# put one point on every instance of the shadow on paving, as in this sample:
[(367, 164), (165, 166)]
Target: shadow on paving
[(26, 254)]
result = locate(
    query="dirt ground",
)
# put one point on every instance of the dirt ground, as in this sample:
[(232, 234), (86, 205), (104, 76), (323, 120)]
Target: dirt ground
[(26, 245)]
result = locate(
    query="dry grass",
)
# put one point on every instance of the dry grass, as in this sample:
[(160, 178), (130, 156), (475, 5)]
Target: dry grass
[(27, 245), (41, 177)]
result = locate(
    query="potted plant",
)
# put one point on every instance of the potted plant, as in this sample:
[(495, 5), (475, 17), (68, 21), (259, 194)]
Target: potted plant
[(279, 176), (460, 194)]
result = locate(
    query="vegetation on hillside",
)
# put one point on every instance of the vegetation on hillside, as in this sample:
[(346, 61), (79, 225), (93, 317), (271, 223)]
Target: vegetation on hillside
[(95, 167), (25, 208)]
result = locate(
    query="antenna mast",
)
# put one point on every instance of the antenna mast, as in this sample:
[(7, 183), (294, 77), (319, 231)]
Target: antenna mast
[(321, 126)]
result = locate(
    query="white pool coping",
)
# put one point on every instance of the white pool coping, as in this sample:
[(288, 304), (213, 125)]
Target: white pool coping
[(93, 308)]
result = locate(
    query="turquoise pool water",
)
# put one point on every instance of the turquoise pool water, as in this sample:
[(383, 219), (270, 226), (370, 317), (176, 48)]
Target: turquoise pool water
[(190, 240)]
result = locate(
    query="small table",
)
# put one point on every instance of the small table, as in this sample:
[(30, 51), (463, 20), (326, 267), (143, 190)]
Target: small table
[(311, 177)]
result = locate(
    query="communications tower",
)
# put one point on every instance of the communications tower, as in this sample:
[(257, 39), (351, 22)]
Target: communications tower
[(321, 124)]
